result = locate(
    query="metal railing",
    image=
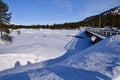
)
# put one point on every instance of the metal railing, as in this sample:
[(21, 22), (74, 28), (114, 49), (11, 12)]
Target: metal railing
[(104, 32)]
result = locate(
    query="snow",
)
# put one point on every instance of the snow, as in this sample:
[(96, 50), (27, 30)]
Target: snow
[(115, 11), (9, 60), (33, 45), (116, 73), (102, 57), (82, 61), (40, 42)]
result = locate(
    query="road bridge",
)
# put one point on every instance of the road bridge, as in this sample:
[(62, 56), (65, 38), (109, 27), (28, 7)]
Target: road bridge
[(101, 33)]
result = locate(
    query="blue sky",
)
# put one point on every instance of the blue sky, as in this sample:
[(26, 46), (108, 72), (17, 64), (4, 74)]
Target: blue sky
[(29, 12)]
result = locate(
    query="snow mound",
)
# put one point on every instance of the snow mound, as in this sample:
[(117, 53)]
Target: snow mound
[(116, 41), (102, 57), (9, 60)]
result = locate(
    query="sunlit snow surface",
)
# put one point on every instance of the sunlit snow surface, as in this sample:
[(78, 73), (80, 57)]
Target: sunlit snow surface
[(81, 61), (33, 45)]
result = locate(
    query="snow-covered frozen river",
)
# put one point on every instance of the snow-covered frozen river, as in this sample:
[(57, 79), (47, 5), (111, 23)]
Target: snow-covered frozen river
[(34, 46)]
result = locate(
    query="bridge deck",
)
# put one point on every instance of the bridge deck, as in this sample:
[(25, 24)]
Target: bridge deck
[(96, 34), (102, 33)]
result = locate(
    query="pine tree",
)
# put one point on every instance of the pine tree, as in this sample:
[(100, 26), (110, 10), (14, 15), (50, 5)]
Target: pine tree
[(4, 15)]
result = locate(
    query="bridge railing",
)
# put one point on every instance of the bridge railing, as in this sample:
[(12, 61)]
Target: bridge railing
[(104, 32)]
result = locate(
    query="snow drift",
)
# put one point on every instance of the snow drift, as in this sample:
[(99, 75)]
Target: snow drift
[(9, 60)]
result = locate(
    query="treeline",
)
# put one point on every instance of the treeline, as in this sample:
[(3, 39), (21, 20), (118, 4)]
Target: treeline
[(107, 18), (54, 26)]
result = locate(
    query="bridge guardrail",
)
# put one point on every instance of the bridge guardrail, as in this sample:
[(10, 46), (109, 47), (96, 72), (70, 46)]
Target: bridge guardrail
[(104, 32)]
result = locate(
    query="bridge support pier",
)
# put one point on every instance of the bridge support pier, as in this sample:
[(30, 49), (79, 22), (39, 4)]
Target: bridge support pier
[(94, 38)]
